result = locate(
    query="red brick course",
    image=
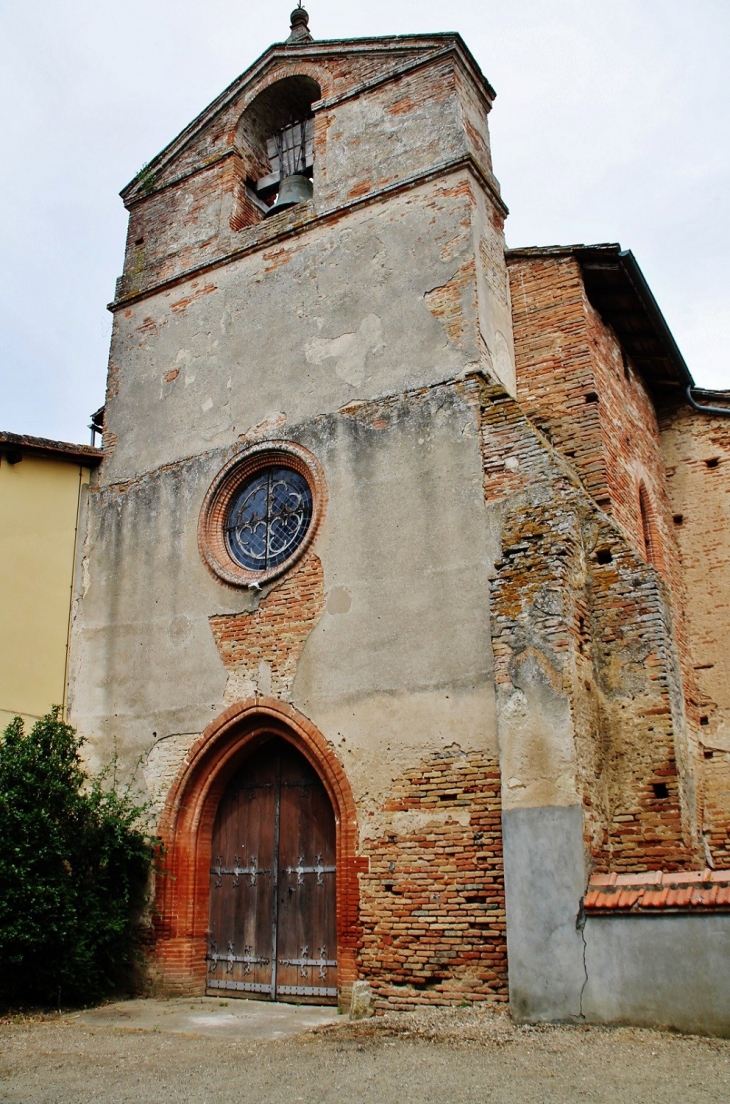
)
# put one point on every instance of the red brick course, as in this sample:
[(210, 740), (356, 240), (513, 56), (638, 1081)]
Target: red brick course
[(697, 453), (433, 910), (573, 593), (277, 630)]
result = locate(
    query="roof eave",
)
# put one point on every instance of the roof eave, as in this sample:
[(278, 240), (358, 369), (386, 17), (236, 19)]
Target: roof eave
[(610, 272), (18, 443)]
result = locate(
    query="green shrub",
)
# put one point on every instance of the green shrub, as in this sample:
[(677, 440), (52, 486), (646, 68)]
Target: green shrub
[(74, 866)]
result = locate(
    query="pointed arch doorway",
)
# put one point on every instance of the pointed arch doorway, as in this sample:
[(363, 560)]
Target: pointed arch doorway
[(187, 827), (272, 927)]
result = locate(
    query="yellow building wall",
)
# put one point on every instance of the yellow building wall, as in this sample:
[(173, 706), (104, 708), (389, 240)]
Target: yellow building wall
[(39, 506)]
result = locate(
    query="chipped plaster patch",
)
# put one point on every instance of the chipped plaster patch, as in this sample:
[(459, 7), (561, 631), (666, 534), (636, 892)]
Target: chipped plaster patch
[(349, 350)]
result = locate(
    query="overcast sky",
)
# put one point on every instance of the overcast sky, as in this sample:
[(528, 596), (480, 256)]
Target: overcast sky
[(611, 124)]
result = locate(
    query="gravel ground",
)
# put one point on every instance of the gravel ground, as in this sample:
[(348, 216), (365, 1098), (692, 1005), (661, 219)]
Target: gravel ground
[(459, 1056)]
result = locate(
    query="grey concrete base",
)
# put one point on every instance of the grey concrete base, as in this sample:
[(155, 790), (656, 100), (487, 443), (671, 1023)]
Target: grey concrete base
[(544, 883), (240, 1019), (659, 971)]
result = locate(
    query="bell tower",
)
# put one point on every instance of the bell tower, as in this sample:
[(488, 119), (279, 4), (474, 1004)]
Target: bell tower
[(290, 508)]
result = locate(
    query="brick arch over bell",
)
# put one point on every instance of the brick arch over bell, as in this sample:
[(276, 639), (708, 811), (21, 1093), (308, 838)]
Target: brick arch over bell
[(182, 889)]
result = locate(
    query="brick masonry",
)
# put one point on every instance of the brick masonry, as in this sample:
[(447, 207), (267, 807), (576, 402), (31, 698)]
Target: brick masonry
[(432, 904), (697, 455), (260, 650), (573, 598)]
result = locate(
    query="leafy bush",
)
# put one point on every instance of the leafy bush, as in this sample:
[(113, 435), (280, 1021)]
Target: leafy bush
[(74, 865)]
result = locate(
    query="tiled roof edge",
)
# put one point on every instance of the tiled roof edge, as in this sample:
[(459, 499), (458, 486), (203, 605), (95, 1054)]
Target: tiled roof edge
[(647, 892)]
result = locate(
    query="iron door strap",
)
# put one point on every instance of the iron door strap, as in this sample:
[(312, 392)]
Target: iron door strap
[(247, 958), (306, 963), (319, 869), (252, 870)]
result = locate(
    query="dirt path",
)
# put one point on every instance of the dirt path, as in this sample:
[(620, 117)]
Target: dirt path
[(457, 1057)]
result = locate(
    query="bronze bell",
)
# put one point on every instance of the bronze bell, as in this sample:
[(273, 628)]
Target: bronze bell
[(293, 189)]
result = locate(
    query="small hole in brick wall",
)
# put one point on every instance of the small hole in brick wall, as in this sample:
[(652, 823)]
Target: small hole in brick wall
[(425, 983), (712, 462), (592, 397), (389, 886), (708, 754), (604, 556), (660, 789), (139, 241), (678, 519), (704, 720)]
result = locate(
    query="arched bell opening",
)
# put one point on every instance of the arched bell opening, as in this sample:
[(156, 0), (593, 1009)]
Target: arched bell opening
[(245, 743), (276, 135)]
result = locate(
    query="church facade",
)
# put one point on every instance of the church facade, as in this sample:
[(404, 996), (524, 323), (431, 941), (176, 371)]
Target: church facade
[(403, 584)]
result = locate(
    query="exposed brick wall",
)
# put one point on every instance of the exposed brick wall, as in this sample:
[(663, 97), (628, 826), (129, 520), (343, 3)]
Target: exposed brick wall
[(601, 631), (699, 496), (555, 373), (274, 634), (640, 746), (432, 905), (576, 384)]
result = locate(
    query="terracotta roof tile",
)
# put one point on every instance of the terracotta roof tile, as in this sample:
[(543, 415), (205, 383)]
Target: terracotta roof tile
[(603, 879), (688, 890)]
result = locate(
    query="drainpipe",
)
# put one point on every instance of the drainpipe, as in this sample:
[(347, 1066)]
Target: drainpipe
[(723, 411)]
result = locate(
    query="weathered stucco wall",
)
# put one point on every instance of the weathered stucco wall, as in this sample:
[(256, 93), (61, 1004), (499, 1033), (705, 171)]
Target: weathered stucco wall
[(354, 637), (668, 971), (404, 547), (365, 306)]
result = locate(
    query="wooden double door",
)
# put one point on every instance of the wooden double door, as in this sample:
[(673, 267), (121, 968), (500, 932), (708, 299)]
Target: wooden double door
[(272, 930)]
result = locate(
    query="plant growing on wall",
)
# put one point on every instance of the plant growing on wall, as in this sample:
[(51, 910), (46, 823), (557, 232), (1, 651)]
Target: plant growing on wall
[(74, 865)]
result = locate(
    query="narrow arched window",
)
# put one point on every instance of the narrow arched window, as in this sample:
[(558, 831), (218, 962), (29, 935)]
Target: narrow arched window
[(648, 527)]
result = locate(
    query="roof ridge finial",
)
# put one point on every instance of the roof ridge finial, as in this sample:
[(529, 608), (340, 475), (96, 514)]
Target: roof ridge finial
[(299, 32)]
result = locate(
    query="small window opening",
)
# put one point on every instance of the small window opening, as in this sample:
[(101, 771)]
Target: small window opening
[(592, 397), (678, 519), (660, 789), (708, 754), (712, 462), (604, 556), (704, 720)]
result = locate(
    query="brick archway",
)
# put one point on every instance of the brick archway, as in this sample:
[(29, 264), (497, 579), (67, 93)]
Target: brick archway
[(187, 826)]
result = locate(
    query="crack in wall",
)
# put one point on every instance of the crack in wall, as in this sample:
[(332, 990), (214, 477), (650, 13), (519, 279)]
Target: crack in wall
[(580, 923)]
